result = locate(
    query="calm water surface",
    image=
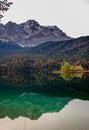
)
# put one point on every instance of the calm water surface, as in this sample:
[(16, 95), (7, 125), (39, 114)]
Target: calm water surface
[(44, 101)]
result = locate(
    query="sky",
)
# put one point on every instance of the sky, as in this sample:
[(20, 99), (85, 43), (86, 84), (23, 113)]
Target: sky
[(72, 16)]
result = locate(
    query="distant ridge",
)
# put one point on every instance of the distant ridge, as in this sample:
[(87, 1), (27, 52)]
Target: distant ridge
[(75, 49)]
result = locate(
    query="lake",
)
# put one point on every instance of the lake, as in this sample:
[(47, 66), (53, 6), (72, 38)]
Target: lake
[(44, 101)]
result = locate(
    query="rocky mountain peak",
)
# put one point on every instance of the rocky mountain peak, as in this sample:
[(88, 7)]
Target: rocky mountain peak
[(31, 33), (10, 23), (11, 26), (31, 26), (56, 31), (32, 23)]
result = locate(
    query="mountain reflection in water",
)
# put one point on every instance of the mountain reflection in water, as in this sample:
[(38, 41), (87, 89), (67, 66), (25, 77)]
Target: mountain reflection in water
[(75, 116), (30, 105), (34, 96)]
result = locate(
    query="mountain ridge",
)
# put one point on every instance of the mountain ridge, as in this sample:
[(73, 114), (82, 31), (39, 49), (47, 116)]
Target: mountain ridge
[(41, 40), (31, 33), (74, 48)]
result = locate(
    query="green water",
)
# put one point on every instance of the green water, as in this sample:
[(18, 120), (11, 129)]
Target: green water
[(31, 95)]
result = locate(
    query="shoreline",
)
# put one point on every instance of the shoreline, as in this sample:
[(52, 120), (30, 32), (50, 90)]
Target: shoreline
[(71, 71)]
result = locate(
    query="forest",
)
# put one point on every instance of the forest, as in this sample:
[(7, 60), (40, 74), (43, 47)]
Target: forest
[(38, 63)]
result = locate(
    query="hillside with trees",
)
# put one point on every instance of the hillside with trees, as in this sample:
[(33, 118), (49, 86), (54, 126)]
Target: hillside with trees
[(74, 49)]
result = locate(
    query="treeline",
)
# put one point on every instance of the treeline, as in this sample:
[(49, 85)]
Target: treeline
[(27, 64), (35, 63)]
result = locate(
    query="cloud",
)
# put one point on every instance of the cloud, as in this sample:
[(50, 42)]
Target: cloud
[(86, 1)]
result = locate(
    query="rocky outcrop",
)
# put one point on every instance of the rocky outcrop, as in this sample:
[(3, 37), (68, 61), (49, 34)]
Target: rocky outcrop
[(31, 33)]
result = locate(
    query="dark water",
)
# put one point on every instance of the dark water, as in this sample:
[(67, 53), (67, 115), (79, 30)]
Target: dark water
[(32, 95)]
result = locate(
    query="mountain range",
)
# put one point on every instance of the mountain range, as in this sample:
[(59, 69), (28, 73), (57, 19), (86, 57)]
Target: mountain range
[(30, 33), (33, 38)]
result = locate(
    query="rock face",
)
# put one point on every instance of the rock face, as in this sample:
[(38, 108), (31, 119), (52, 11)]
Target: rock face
[(4, 35), (31, 33)]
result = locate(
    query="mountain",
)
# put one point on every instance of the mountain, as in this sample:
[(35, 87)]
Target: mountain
[(43, 40), (31, 33), (8, 47), (4, 35), (74, 48)]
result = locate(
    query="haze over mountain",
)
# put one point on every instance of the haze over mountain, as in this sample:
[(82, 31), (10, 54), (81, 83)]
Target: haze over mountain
[(30, 33)]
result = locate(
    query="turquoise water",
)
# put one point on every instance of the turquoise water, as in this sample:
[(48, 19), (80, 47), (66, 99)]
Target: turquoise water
[(31, 95), (30, 105)]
